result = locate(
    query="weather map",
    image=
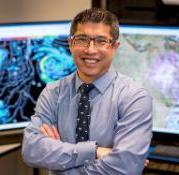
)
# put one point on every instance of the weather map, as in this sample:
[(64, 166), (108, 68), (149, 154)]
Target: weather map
[(27, 64), (153, 61), (32, 55)]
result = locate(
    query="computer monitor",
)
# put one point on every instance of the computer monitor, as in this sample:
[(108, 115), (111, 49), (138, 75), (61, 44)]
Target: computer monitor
[(31, 55), (34, 54), (150, 55)]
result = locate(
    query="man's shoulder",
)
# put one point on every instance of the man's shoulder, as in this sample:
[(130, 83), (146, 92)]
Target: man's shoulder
[(126, 81), (62, 83), (129, 86)]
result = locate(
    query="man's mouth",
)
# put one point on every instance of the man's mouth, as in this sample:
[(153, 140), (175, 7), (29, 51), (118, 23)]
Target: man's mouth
[(90, 61)]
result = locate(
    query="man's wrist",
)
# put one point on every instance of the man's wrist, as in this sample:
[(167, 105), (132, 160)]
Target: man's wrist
[(86, 151), (96, 151)]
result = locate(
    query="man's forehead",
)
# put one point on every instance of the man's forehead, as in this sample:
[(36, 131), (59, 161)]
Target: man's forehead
[(94, 28)]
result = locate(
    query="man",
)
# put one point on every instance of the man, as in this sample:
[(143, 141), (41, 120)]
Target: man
[(106, 130)]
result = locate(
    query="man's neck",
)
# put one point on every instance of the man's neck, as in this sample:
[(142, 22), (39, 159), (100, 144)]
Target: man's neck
[(85, 79)]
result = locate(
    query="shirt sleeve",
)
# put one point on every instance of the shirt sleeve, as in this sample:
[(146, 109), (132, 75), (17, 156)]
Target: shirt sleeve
[(133, 134), (41, 151)]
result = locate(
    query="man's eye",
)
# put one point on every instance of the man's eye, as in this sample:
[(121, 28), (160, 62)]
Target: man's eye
[(101, 41), (81, 39)]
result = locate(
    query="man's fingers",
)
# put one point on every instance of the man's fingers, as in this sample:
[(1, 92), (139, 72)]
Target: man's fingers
[(48, 131), (43, 131), (102, 151), (146, 162), (56, 133)]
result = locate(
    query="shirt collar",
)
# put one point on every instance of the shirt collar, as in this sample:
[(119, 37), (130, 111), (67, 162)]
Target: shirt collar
[(78, 82), (101, 83)]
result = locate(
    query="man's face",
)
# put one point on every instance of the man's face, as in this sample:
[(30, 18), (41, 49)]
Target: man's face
[(92, 59)]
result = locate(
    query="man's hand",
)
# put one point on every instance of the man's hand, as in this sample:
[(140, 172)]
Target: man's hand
[(146, 162), (50, 131), (102, 151)]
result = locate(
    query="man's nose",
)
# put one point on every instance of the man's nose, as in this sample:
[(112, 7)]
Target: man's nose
[(91, 47)]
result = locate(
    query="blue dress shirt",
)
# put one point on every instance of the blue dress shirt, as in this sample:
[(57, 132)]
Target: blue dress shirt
[(121, 119)]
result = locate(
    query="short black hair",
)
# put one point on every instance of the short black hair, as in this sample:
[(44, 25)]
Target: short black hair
[(96, 15)]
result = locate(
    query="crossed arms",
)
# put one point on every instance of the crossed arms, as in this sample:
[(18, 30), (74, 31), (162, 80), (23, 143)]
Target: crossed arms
[(52, 132), (43, 147)]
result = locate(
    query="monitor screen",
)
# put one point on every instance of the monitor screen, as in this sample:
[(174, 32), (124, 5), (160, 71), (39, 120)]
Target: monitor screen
[(150, 55), (34, 54), (31, 55)]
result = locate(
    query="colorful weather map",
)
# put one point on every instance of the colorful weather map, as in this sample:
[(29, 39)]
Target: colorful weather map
[(36, 56), (26, 66), (153, 61)]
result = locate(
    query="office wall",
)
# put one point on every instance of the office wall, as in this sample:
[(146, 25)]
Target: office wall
[(40, 10)]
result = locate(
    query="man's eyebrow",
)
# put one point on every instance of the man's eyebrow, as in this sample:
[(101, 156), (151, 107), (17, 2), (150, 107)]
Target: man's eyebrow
[(98, 36), (101, 36), (81, 35)]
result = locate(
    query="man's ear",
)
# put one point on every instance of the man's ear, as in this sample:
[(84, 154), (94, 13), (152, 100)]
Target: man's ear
[(116, 45), (69, 42)]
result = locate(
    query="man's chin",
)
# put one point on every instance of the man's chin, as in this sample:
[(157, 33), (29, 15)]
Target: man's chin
[(88, 75)]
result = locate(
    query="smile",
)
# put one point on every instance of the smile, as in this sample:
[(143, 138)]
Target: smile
[(90, 61)]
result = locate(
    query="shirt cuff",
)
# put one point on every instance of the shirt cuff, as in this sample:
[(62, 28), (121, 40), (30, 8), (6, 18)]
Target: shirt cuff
[(86, 151)]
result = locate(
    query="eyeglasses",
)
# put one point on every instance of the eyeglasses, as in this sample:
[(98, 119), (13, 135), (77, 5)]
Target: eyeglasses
[(85, 40)]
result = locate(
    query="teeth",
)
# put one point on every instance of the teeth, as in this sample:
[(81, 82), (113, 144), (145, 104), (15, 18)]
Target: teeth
[(90, 61)]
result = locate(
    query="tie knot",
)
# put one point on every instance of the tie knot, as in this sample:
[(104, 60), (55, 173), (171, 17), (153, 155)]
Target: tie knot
[(86, 88)]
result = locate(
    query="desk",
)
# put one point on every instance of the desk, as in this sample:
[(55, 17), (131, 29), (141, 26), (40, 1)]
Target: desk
[(5, 149), (165, 153), (11, 162), (162, 164)]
